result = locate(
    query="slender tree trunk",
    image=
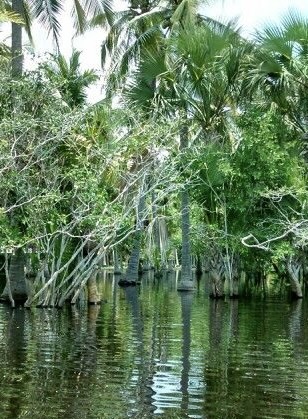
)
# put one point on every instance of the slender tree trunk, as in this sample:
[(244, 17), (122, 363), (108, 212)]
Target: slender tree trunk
[(132, 274), (293, 268), (16, 289), (233, 275), (157, 260), (155, 225), (116, 262), (176, 258), (199, 270), (186, 283), (17, 55), (160, 234)]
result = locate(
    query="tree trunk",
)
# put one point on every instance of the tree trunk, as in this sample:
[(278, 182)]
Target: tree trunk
[(155, 225), (116, 263), (199, 270), (132, 272), (216, 273), (17, 55), (234, 293), (93, 295), (233, 277), (160, 235), (16, 288), (217, 284), (186, 283), (176, 258), (293, 267)]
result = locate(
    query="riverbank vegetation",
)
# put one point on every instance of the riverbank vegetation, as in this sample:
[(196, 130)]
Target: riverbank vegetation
[(200, 165)]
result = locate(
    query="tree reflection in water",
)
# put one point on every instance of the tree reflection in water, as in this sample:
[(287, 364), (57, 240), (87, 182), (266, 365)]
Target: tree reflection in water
[(152, 352)]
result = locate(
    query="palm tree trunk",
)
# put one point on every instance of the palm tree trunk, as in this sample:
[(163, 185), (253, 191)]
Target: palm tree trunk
[(186, 282), (17, 56), (132, 274), (133, 262), (157, 262)]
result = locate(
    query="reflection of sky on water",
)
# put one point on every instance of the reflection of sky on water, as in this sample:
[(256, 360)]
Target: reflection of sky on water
[(167, 387), (178, 379)]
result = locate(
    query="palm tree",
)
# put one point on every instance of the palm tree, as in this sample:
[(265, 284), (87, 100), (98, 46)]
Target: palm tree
[(198, 81), (143, 44), (144, 25), (70, 81), (278, 68), (143, 29), (47, 12)]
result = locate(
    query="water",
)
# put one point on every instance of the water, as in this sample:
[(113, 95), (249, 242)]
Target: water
[(152, 352)]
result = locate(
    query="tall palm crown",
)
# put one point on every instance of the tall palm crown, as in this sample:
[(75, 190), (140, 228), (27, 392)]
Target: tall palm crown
[(143, 26), (70, 81), (280, 68), (200, 71)]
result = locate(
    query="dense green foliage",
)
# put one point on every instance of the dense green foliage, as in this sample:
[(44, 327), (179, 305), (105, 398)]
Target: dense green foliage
[(204, 114)]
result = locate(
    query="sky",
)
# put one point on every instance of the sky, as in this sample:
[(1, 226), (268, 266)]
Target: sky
[(251, 14)]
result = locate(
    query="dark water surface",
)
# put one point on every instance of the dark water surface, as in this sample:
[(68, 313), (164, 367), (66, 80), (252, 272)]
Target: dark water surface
[(152, 352)]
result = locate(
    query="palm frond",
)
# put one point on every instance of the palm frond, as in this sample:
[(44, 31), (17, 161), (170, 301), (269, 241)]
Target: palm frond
[(118, 29), (97, 7), (79, 16), (47, 12), (74, 63), (100, 20), (8, 15), (27, 20), (62, 64), (141, 87), (126, 54), (228, 27), (295, 25), (288, 38), (5, 53)]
